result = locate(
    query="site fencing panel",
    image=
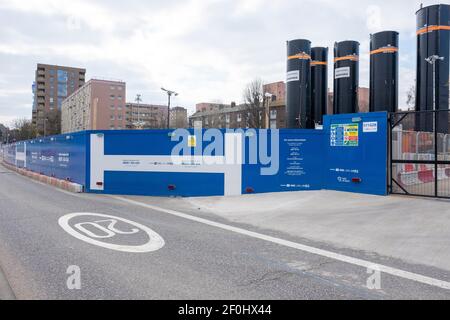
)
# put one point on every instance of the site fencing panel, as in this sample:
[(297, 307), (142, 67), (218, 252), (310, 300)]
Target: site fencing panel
[(420, 153)]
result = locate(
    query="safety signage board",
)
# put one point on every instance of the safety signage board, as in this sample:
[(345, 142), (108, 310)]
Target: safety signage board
[(192, 141), (344, 135), (370, 127), (343, 72), (293, 76)]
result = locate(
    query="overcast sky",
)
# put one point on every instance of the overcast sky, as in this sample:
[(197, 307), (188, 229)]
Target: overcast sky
[(207, 50)]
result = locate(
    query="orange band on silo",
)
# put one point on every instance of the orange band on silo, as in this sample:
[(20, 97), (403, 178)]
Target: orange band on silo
[(431, 28), (318, 63), (351, 58), (384, 50), (301, 56)]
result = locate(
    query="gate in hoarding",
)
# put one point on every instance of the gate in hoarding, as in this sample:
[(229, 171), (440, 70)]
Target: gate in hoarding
[(420, 153)]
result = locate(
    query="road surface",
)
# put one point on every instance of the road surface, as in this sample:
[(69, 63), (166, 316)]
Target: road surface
[(197, 256)]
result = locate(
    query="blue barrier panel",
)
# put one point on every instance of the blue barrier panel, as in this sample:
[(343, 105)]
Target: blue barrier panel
[(356, 152), (350, 154), (62, 156), (299, 163), (140, 162), (9, 154)]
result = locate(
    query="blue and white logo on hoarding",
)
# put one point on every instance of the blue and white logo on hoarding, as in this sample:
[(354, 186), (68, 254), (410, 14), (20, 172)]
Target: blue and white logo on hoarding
[(370, 127)]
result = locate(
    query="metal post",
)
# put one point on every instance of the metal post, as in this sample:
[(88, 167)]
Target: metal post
[(45, 127), (168, 111), (436, 168), (169, 94), (138, 100), (432, 60), (269, 97)]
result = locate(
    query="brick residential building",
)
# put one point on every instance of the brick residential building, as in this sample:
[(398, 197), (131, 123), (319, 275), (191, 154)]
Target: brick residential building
[(211, 115), (277, 89), (178, 118), (52, 85), (210, 106), (363, 100), (151, 116), (228, 116), (97, 105)]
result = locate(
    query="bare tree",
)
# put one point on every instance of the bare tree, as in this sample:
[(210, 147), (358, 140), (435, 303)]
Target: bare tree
[(23, 129), (53, 123), (3, 133), (254, 103), (411, 98)]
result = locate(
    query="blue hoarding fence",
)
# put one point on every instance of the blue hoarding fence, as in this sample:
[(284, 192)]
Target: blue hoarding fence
[(350, 154)]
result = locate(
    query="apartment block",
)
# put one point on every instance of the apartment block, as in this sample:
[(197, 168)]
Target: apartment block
[(178, 118), (145, 116), (97, 105), (52, 85), (276, 89), (210, 106)]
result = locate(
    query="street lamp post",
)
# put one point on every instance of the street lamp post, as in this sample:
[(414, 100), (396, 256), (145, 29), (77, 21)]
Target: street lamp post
[(268, 96), (169, 95), (45, 127), (139, 124), (432, 60)]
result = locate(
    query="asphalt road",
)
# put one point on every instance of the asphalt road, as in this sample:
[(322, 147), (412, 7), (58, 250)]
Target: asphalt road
[(197, 261)]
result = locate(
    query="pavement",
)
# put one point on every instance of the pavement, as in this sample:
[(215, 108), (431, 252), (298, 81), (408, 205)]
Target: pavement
[(412, 229), (284, 246)]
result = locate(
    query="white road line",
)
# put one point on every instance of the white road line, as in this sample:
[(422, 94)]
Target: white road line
[(6, 292), (328, 254)]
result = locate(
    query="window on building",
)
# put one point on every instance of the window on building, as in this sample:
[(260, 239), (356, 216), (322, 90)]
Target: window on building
[(62, 89), (62, 76), (112, 97), (120, 88), (60, 100), (119, 117), (112, 107), (227, 118), (273, 114), (119, 108), (119, 98), (112, 117), (112, 87), (239, 117)]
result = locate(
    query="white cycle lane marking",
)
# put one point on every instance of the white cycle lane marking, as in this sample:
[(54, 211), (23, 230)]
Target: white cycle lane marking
[(105, 227), (305, 248)]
